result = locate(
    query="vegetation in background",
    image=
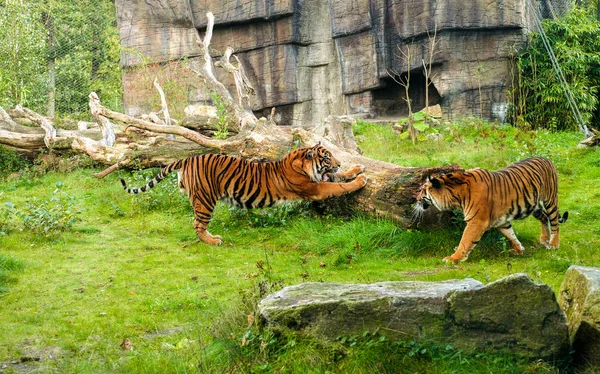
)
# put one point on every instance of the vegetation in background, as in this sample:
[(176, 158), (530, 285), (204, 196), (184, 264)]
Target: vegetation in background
[(84, 51), (222, 117), (176, 78), (538, 99), (22, 66), (127, 288)]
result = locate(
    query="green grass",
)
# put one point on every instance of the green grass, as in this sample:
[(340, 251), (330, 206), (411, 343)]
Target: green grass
[(130, 268)]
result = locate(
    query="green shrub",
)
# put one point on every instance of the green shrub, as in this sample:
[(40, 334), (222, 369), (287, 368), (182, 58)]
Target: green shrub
[(269, 217), (538, 99), (164, 197), (47, 217), (11, 161)]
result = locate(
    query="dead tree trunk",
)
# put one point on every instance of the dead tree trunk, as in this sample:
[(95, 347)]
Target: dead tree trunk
[(122, 141)]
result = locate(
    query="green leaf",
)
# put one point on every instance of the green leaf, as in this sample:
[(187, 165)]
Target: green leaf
[(421, 125)]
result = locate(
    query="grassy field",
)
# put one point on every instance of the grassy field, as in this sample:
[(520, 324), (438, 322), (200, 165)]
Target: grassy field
[(93, 280)]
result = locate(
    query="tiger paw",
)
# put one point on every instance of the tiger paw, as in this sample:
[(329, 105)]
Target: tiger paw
[(518, 250), (207, 238), (449, 259), (355, 171), (455, 259), (361, 180)]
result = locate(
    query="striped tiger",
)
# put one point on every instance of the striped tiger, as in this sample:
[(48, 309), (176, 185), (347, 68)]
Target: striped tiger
[(308, 174), (493, 199)]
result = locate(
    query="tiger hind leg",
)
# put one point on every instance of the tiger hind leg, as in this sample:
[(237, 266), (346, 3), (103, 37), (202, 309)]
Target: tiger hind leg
[(509, 233), (206, 236), (202, 214), (541, 216)]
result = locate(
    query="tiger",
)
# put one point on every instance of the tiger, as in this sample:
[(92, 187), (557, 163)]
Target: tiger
[(303, 174), (494, 199)]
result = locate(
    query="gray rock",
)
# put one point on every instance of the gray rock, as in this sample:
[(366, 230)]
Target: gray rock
[(513, 313), (579, 297), (314, 58)]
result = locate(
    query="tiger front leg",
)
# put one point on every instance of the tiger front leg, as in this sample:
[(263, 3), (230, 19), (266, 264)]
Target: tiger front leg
[(471, 236), (326, 190)]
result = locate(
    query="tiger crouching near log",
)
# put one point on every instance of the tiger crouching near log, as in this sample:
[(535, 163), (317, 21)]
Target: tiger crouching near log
[(307, 174), (493, 199)]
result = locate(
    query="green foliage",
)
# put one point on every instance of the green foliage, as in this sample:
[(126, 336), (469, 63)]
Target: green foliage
[(222, 117), (165, 196), (11, 161), (269, 217), (421, 124), (47, 217), (538, 99), (22, 47), (78, 38)]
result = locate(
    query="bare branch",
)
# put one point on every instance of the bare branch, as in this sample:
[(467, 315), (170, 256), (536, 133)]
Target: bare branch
[(108, 134), (112, 168), (163, 102), (43, 122)]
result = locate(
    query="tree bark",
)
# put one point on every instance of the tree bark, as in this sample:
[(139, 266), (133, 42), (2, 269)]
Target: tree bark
[(130, 142)]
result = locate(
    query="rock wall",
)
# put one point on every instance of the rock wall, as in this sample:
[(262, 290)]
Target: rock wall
[(312, 58)]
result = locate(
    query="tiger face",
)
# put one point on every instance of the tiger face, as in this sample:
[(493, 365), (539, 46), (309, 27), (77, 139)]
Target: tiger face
[(319, 164), (442, 191)]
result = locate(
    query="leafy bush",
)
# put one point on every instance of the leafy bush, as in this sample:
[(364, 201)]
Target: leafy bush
[(222, 118), (166, 196), (538, 99), (269, 217), (11, 161), (47, 217), (421, 125), (5, 217)]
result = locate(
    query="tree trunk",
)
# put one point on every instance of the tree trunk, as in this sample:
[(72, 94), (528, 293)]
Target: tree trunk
[(390, 192)]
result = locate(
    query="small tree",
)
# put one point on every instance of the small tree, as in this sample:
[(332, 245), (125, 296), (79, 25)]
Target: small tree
[(431, 44), (406, 56)]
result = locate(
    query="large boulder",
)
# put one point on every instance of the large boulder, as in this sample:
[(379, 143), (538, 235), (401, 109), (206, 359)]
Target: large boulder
[(579, 297), (513, 313)]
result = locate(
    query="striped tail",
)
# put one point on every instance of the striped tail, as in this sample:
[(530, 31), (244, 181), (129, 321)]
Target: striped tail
[(564, 217), (157, 179)]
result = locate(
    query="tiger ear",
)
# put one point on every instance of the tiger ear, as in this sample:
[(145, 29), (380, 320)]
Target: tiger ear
[(436, 183), (310, 154)]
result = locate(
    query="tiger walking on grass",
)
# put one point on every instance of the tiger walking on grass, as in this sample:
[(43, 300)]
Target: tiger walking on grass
[(493, 199)]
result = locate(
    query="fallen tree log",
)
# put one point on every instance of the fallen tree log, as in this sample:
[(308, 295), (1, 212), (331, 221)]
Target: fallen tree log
[(133, 142)]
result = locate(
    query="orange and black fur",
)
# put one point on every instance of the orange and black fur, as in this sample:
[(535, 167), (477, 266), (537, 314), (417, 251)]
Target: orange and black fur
[(493, 199), (308, 174)]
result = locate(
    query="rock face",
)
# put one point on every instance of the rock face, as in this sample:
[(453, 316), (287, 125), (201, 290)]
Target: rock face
[(313, 58), (512, 313), (579, 297)]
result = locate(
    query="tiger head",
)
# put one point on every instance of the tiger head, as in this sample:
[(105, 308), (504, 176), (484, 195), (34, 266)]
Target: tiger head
[(319, 164), (442, 191)]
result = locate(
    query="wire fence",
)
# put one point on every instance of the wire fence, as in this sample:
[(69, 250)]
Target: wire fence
[(53, 54)]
